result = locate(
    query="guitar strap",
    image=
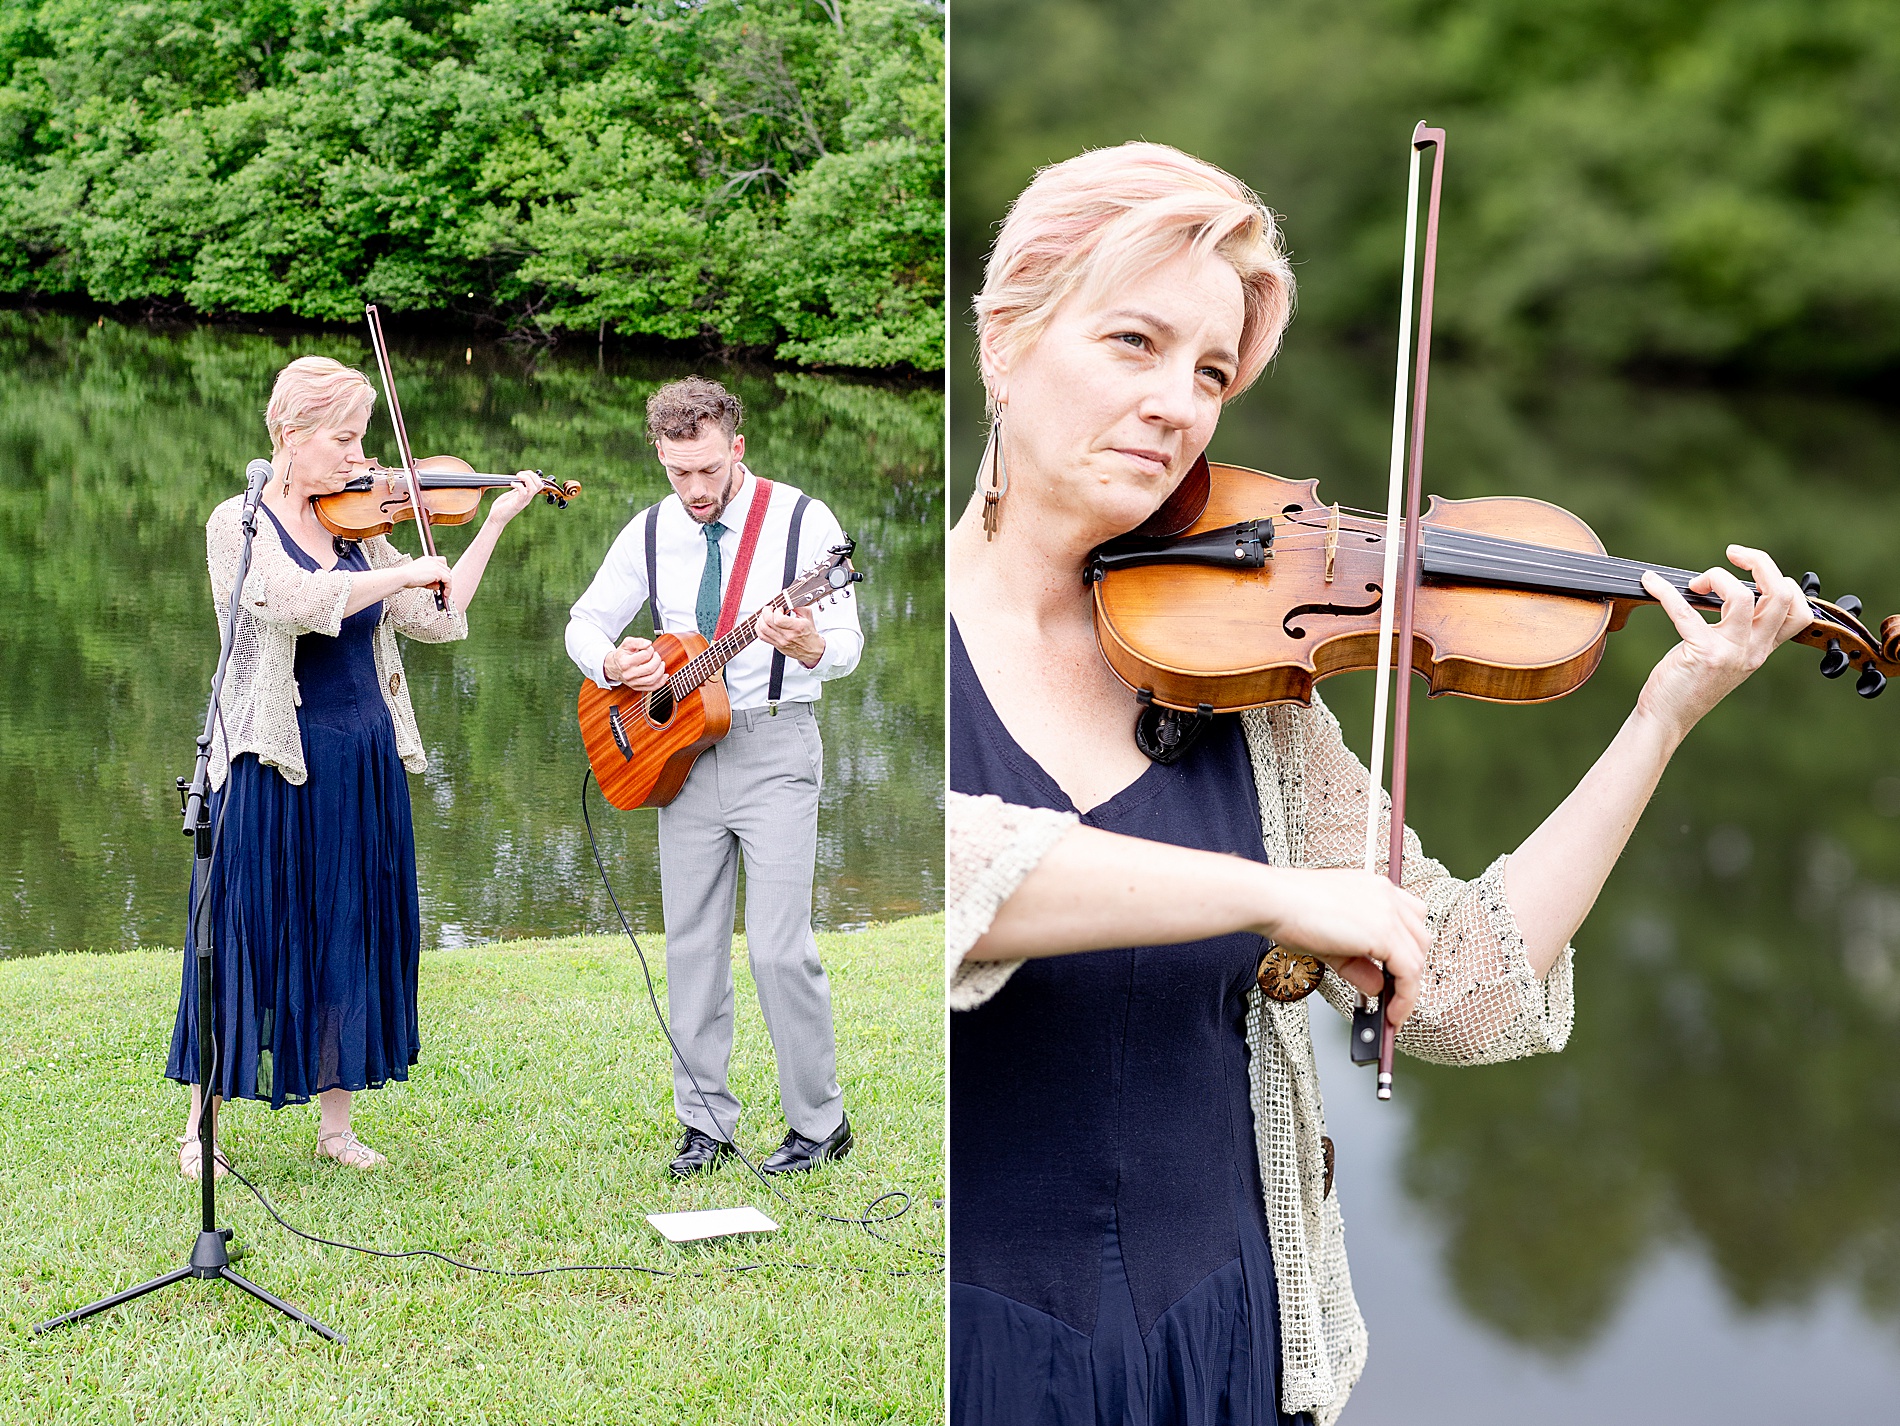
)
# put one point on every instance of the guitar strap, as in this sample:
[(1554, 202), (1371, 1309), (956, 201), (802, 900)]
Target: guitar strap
[(791, 573), (742, 563), (653, 567)]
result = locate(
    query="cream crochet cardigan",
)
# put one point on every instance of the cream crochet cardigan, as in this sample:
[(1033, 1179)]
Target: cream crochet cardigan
[(281, 600), (1480, 1002)]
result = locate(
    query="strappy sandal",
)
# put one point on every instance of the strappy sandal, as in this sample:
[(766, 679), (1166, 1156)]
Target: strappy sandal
[(191, 1156), (343, 1146)]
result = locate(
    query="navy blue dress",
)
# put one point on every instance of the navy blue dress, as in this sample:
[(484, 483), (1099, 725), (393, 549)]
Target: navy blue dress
[(313, 895), (1109, 1260)]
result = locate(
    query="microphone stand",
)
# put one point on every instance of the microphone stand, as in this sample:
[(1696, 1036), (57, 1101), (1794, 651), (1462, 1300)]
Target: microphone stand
[(210, 1257)]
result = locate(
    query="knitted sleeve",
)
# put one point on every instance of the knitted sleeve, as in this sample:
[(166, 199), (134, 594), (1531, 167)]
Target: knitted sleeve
[(1480, 1001), (993, 846), (277, 590), (413, 611)]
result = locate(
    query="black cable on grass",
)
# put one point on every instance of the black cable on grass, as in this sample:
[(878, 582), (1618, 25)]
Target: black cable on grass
[(290, 1227), (868, 1221)]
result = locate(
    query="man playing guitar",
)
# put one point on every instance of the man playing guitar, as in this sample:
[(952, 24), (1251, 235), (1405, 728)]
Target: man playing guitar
[(754, 793)]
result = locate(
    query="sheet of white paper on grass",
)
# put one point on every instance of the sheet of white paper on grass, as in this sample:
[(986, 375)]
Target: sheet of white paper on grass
[(710, 1223)]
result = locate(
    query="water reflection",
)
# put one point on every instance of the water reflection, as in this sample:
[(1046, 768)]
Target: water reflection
[(115, 443), (1729, 1093), (1739, 980)]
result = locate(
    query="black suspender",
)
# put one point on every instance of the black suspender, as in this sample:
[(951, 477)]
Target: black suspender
[(653, 567), (791, 573)]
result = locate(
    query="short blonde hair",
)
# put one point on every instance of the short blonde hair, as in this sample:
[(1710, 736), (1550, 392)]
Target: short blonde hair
[(311, 393), (1098, 219)]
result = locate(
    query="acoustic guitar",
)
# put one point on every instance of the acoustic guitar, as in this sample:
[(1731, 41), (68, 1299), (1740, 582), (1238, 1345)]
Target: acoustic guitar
[(643, 745)]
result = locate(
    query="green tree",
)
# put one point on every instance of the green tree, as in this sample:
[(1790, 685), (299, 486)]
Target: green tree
[(757, 173)]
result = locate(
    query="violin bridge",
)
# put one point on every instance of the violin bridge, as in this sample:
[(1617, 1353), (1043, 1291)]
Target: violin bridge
[(1332, 543)]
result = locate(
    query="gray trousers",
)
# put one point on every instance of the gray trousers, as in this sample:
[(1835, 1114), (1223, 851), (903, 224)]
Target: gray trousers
[(753, 794)]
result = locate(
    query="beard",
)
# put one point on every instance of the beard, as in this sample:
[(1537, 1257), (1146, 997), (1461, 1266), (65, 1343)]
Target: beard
[(718, 507)]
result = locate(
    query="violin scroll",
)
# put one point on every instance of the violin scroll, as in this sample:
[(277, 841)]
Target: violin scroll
[(559, 492), (1846, 642)]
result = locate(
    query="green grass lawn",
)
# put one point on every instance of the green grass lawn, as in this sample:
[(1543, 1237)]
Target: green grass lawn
[(535, 1131)]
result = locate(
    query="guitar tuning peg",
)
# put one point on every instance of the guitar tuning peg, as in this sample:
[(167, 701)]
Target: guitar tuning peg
[(1872, 682), (1811, 585)]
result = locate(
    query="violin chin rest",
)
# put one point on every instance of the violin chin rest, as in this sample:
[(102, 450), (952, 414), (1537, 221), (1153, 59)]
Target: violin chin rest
[(1183, 507)]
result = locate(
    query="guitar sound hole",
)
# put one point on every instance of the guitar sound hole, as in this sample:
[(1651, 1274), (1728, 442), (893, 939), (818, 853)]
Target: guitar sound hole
[(660, 706)]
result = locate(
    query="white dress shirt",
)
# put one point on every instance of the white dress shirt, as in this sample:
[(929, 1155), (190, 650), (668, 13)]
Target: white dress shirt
[(602, 614)]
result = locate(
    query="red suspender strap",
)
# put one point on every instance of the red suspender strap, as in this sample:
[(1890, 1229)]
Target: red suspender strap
[(742, 563)]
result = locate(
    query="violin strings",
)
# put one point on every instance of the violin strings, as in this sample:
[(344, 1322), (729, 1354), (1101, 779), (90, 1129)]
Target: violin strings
[(1506, 558)]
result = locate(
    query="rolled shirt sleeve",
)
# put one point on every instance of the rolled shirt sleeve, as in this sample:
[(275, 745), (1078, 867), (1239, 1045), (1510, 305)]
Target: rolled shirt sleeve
[(836, 619), (599, 616)]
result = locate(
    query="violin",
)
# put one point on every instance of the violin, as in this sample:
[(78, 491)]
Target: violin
[(1266, 589), (377, 498), (448, 493), (1245, 589)]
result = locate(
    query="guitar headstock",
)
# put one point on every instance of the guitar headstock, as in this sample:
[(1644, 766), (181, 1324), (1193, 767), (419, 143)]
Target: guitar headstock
[(831, 578), (1848, 642)]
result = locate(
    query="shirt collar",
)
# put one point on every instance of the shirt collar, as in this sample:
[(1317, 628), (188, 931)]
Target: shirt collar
[(734, 515)]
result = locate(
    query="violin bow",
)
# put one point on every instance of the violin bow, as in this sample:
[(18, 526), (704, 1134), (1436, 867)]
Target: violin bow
[(402, 445), (1409, 461)]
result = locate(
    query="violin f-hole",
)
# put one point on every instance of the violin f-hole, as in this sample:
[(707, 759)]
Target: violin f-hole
[(1293, 632)]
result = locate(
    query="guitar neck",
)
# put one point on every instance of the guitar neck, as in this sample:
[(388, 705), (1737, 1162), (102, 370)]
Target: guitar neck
[(722, 650)]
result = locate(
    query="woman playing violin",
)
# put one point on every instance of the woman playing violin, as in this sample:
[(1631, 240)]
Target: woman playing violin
[(313, 883), (1145, 1230)]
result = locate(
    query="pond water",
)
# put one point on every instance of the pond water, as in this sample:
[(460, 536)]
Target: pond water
[(1693, 1213), (117, 441)]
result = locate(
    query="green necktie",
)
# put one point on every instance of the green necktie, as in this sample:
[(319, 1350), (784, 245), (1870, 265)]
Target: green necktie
[(706, 611)]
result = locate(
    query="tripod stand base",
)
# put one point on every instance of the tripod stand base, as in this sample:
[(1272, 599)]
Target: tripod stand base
[(209, 1259)]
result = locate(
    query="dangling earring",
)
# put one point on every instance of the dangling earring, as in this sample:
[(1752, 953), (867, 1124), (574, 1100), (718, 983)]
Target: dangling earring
[(997, 485), (286, 482)]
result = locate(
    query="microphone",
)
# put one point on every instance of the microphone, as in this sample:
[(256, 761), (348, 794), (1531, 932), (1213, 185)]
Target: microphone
[(257, 475)]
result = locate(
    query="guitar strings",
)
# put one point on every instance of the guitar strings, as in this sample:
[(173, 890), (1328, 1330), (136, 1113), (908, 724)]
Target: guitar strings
[(704, 664)]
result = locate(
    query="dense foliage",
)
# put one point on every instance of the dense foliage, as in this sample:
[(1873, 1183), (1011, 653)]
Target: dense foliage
[(761, 173), (1708, 184)]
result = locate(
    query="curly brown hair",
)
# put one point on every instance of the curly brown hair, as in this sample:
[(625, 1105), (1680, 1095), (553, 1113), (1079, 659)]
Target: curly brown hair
[(677, 410)]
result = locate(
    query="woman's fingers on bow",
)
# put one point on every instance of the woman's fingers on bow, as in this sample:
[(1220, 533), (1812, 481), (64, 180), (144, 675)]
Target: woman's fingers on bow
[(1357, 922), (1361, 974), (1406, 963)]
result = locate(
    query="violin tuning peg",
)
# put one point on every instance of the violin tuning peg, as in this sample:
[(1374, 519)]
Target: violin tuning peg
[(1872, 682), (1834, 662), (1850, 603), (1811, 585)]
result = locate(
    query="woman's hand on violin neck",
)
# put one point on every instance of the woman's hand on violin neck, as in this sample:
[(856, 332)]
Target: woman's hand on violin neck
[(1357, 922), (1713, 659), (517, 497)]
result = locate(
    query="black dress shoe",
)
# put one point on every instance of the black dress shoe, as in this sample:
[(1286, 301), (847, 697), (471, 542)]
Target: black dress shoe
[(698, 1151), (799, 1154)]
